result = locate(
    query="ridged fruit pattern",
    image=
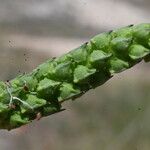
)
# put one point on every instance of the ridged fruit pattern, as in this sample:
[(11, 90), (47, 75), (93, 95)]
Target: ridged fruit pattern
[(41, 92)]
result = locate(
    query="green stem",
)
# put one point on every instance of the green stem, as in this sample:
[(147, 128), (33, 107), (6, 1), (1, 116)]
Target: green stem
[(42, 92)]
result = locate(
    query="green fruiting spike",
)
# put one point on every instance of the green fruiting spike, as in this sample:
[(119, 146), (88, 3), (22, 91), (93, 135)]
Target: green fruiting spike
[(42, 92)]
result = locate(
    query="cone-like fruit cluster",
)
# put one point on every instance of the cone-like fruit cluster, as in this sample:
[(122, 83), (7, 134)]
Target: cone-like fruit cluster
[(41, 92)]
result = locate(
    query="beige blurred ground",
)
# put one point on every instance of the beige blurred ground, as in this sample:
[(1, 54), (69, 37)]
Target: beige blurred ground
[(115, 116)]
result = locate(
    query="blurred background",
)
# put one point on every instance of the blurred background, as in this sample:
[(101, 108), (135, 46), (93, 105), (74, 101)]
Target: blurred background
[(115, 116)]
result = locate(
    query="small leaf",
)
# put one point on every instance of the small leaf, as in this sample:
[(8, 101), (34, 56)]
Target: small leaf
[(46, 69), (20, 81), (16, 120), (121, 44), (81, 73), (68, 91), (138, 52), (125, 32), (46, 88), (64, 71), (117, 65), (79, 55), (63, 58), (34, 102), (98, 55), (102, 41), (142, 33)]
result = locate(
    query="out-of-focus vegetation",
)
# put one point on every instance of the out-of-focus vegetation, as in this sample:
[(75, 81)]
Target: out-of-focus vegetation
[(115, 116)]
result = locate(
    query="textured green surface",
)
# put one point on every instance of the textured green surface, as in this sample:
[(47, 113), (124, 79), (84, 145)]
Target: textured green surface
[(42, 92)]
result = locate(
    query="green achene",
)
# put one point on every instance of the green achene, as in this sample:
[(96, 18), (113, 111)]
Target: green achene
[(68, 77)]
